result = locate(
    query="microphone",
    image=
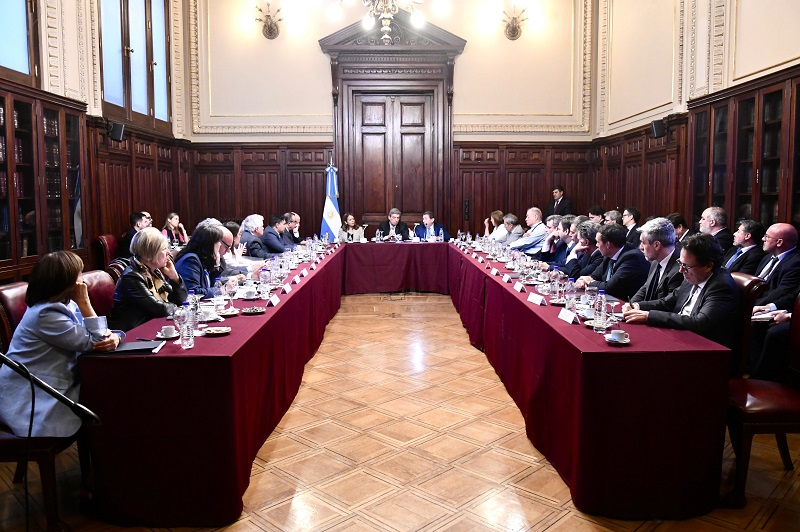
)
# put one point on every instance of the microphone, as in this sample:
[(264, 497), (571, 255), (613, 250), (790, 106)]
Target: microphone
[(77, 408)]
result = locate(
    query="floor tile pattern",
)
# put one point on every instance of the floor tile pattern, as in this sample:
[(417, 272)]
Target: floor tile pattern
[(401, 424)]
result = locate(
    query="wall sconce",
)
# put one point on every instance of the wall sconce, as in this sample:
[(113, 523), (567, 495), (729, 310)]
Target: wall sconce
[(270, 28), (514, 24)]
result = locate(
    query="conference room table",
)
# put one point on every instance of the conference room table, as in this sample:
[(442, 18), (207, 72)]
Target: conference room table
[(635, 431)]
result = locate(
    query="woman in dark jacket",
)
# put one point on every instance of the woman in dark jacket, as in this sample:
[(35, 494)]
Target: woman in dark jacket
[(199, 261), (150, 287)]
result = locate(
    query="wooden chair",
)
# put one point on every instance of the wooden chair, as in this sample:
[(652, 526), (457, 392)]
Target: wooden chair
[(43, 451), (12, 308), (752, 288), (764, 407), (101, 290), (109, 248)]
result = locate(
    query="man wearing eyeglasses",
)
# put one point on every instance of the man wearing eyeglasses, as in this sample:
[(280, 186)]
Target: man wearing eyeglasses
[(624, 268), (705, 303)]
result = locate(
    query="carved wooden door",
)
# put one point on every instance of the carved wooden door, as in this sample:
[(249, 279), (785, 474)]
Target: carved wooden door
[(394, 152)]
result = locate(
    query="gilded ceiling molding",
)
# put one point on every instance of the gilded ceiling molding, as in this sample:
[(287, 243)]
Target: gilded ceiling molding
[(177, 70), (583, 121), (79, 94), (194, 73), (96, 99), (51, 35), (601, 100), (681, 31), (693, 38), (718, 47)]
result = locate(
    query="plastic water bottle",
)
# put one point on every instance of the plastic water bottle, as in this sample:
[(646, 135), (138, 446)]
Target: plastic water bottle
[(194, 306), (600, 312), (554, 282), (441, 235), (571, 294), (216, 291), (184, 319)]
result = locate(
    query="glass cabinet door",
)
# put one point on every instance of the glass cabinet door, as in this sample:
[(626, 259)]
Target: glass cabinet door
[(53, 183), (745, 139), (24, 178), (719, 157), (794, 207), (770, 171), (74, 175), (5, 171), (700, 165)]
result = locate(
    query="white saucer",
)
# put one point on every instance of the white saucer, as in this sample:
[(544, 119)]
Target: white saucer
[(171, 337), (615, 342)]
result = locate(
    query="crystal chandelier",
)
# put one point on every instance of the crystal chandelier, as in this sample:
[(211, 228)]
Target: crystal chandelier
[(385, 10)]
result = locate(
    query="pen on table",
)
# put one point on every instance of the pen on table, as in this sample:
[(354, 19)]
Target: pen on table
[(145, 339)]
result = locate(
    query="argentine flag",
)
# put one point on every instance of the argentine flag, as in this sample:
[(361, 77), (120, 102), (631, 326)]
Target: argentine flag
[(331, 219)]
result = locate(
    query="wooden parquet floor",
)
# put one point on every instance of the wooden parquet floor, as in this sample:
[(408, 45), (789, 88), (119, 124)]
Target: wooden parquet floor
[(402, 425)]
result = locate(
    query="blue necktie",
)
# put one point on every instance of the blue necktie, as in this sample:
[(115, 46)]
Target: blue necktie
[(610, 269), (733, 259)]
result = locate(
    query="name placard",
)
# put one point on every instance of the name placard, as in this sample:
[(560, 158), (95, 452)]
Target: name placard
[(488, 265), (480, 259), (494, 271), (286, 288), (568, 316), (304, 273), (506, 278), (273, 301), (519, 287), (474, 255), (296, 279), (536, 299), (314, 266)]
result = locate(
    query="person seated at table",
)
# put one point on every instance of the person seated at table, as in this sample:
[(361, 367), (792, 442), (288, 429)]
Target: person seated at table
[(612, 217), (233, 257), (595, 214), (747, 252), (59, 324), (150, 287), (252, 231), (225, 271), (292, 231), (198, 261), (430, 230), (771, 356), (494, 226), (174, 230), (138, 220), (532, 240), (562, 244), (273, 239), (392, 227), (624, 268), (350, 231), (584, 257), (706, 302), (514, 230), (657, 242)]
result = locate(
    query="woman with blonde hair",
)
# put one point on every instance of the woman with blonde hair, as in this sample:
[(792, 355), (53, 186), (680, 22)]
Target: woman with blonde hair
[(150, 287)]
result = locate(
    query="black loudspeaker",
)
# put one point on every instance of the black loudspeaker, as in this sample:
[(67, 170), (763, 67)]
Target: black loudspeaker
[(659, 128), (115, 131)]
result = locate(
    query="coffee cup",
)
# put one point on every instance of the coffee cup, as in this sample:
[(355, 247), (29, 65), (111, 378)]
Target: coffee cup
[(207, 311), (250, 293), (588, 313), (168, 330), (619, 335)]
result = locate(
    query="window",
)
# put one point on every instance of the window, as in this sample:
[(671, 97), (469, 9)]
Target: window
[(19, 51), (135, 43)]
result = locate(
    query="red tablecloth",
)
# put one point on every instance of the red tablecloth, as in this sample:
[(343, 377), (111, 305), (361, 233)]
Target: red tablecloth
[(396, 267), (207, 410), (637, 431)]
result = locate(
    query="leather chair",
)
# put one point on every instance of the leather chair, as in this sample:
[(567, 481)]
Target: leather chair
[(752, 288), (109, 247), (12, 308), (43, 451), (101, 290), (764, 407)]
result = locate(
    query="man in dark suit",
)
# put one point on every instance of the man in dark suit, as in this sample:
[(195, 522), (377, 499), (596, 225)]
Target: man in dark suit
[(273, 238), (746, 253), (392, 227), (557, 255), (430, 230), (138, 220), (771, 350), (658, 245), (705, 303), (560, 205), (291, 233), (780, 268), (714, 222), (682, 229), (624, 268), (630, 219), (587, 256)]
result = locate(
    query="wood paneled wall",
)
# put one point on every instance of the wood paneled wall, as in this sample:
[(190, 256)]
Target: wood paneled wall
[(231, 181)]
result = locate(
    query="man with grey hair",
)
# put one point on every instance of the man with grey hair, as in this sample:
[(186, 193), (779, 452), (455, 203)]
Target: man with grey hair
[(252, 229), (531, 242), (393, 227), (552, 224), (513, 229), (658, 245), (714, 222), (612, 217)]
